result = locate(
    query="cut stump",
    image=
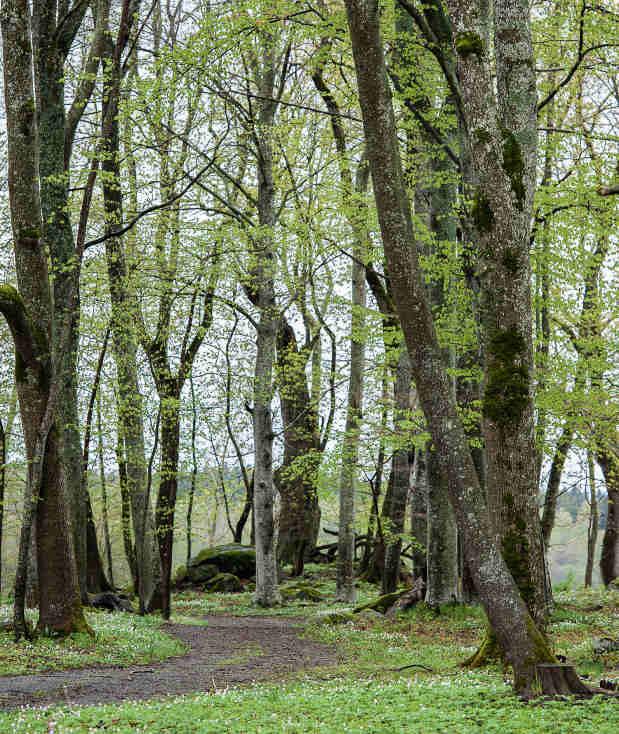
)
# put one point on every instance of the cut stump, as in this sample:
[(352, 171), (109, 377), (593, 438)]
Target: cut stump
[(559, 679)]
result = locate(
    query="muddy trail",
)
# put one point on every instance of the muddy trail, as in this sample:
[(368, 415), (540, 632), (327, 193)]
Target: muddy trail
[(228, 651)]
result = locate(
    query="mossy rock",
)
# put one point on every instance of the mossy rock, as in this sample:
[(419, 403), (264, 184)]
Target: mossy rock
[(236, 559), (301, 592), (384, 602), (335, 618), (224, 583), (202, 573), (368, 616)]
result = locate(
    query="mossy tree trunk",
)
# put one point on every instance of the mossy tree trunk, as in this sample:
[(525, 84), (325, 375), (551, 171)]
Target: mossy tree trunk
[(394, 514), (43, 379), (523, 644), (143, 557), (592, 530), (609, 560), (299, 518)]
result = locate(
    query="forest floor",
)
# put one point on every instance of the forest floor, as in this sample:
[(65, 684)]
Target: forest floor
[(226, 651), (289, 670)]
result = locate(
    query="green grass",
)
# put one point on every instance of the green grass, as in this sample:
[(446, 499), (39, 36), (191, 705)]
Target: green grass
[(468, 703), (322, 578), (365, 692), (120, 639)]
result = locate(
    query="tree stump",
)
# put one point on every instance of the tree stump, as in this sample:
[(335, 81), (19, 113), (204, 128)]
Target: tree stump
[(559, 679)]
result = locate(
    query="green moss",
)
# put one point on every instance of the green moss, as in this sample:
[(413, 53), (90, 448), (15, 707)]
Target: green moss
[(468, 43), (30, 233), (488, 652), (516, 552), (482, 214), (507, 380), (511, 261), (513, 165), (482, 135), (382, 603)]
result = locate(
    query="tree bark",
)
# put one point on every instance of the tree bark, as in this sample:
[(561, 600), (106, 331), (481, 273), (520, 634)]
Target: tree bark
[(521, 641), (609, 560), (265, 267), (147, 566), (37, 333), (592, 530), (96, 580), (401, 472), (295, 479), (345, 588), (104, 503)]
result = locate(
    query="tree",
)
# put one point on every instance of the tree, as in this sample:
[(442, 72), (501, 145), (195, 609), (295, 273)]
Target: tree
[(42, 329), (520, 640)]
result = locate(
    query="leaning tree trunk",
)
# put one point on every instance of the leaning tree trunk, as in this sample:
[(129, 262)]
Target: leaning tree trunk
[(524, 646)]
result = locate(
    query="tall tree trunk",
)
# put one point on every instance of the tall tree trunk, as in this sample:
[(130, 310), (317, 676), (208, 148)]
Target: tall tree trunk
[(96, 580), (609, 560), (419, 515), (57, 233), (345, 588), (299, 517), (442, 545), (265, 266), (125, 513), (104, 504), (401, 473), (3, 457), (123, 328), (168, 488), (37, 334), (194, 471), (521, 641), (592, 530)]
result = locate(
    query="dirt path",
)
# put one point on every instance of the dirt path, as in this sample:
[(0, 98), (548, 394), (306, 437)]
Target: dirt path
[(228, 651)]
